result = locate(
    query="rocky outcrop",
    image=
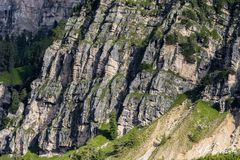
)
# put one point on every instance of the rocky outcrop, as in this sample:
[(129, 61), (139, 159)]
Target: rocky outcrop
[(170, 139), (5, 100), (127, 57), (4, 95), (224, 86), (17, 16)]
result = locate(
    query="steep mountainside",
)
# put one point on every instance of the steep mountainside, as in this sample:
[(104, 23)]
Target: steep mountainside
[(132, 58), (17, 16)]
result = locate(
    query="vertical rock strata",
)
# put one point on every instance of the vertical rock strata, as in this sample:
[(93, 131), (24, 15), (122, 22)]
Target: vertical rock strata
[(17, 16), (116, 56)]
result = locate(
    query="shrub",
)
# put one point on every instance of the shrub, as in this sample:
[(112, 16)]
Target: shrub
[(214, 34), (77, 9), (4, 123), (15, 102), (203, 36), (113, 126), (227, 156), (218, 5), (147, 67), (189, 48), (163, 140), (23, 95), (171, 39), (187, 23), (141, 3), (89, 153), (158, 34), (190, 14), (194, 137), (127, 142), (59, 31)]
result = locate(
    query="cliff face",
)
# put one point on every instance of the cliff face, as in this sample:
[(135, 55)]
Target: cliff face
[(5, 100), (31, 15), (128, 57)]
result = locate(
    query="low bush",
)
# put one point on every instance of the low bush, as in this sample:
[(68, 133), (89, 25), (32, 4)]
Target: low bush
[(14, 102), (227, 156), (171, 39)]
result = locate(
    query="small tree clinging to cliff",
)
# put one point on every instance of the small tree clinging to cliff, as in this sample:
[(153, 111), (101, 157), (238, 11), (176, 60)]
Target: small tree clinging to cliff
[(113, 126), (15, 102)]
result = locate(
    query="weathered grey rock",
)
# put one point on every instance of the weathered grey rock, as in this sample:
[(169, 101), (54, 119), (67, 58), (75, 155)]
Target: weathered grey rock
[(5, 95), (31, 15), (5, 100), (114, 58)]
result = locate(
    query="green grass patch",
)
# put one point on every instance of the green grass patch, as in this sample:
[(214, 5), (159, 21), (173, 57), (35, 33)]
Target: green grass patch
[(147, 67), (198, 123), (90, 148), (179, 100), (17, 76), (105, 130), (138, 95), (126, 146), (141, 3), (203, 119), (98, 141), (227, 156)]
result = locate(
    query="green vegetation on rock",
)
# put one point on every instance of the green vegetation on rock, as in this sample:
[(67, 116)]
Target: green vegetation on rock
[(16, 76), (171, 39), (142, 3), (113, 126), (147, 67), (227, 156), (199, 124), (5, 121), (59, 31), (204, 117), (138, 94), (99, 147), (189, 48), (14, 102), (190, 14), (179, 100), (21, 58)]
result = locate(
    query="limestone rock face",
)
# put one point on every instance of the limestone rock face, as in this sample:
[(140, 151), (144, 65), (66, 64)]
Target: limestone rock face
[(31, 15), (117, 57)]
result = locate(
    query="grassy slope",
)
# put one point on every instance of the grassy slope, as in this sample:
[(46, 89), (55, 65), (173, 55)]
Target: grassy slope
[(116, 149), (95, 142), (204, 119), (229, 156), (197, 125)]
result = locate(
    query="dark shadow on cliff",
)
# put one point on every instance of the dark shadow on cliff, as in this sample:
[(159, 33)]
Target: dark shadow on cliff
[(220, 65), (104, 132)]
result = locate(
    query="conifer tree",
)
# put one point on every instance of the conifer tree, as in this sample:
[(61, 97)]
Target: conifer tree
[(113, 126)]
